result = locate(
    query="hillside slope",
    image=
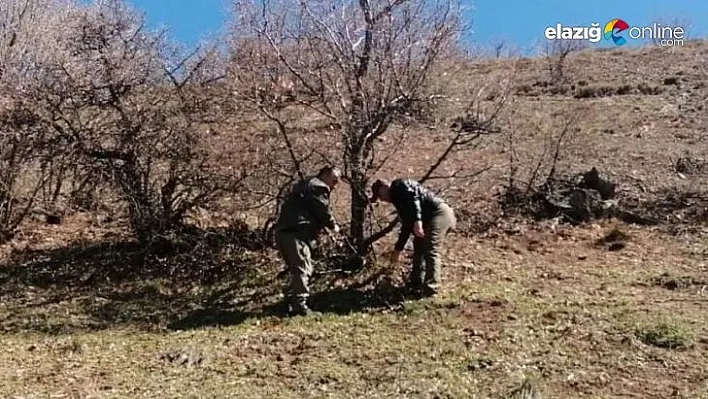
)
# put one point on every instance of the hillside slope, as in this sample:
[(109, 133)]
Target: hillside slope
[(598, 310)]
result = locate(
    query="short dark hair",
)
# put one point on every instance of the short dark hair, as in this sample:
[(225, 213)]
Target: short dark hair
[(330, 169), (375, 189)]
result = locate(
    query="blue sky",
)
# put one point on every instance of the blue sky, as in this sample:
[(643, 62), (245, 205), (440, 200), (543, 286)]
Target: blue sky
[(188, 21), (520, 22)]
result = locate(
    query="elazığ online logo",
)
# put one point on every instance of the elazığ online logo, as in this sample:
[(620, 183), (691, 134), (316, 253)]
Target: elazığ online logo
[(615, 30)]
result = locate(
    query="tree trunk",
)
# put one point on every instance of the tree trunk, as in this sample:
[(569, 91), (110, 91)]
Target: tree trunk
[(143, 222), (358, 210), (354, 164)]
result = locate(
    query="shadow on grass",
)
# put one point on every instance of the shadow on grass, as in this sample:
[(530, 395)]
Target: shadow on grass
[(210, 281), (94, 286), (357, 296), (372, 291)]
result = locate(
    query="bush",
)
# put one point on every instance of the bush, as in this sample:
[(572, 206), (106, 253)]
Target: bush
[(595, 91), (130, 111), (20, 141)]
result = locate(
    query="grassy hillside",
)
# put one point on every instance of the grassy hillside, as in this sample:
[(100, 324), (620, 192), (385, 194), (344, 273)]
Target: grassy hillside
[(84, 313)]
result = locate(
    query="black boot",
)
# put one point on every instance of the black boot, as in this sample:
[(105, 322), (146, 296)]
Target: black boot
[(413, 289), (428, 292), (301, 309)]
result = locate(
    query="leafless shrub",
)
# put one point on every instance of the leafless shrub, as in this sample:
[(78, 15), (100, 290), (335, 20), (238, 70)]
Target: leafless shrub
[(537, 172), (25, 143), (502, 48), (557, 51), (18, 192), (603, 91), (498, 45), (649, 89), (132, 111)]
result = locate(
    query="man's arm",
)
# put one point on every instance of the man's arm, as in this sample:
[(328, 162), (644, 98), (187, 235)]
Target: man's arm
[(403, 236), (318, 200), (410, 212)]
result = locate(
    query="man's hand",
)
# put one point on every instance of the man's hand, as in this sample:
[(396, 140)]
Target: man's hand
[(335, 230), (394, 257), (418, 229)]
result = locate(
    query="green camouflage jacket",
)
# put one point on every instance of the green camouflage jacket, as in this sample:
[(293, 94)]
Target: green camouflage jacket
[(307, 209)]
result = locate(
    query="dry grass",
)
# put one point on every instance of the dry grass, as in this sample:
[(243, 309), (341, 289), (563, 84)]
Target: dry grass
[(84, 314)]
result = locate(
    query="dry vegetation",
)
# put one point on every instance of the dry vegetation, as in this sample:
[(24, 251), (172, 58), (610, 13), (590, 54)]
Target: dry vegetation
[(138, 184)]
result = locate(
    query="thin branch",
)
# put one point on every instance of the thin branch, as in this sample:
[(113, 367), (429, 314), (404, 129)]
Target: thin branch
[(365, 56), (382, 233), (559, 142), (397, 147), (456, 175), (443, 157), (282, 129)]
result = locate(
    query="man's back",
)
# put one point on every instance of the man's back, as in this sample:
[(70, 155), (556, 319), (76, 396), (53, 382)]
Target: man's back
[(403, 194), (306, 210)]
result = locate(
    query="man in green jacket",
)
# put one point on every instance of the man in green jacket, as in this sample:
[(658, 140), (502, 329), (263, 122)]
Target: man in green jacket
[(303, 216), (426, 216)]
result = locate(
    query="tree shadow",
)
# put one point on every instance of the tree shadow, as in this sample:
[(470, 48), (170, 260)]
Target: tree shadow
[(206, 279), (74, 266), (364, 293), (93, 286), (370, 293)]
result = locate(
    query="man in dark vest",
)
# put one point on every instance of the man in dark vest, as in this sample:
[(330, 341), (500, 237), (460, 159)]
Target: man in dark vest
[(429, 218), (303, 216)]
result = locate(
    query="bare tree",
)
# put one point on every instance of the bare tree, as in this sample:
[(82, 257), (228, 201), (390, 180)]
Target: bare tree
[(359, 66), (498, 45), (557, 51)]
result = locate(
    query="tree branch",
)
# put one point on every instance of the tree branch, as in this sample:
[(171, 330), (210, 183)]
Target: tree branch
[(282, 129)]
